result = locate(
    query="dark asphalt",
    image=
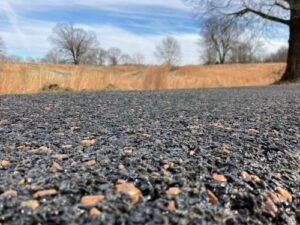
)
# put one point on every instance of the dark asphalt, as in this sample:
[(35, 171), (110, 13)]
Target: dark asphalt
[(233, 156)]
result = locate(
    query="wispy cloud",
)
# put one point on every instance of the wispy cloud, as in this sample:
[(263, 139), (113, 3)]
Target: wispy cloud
[(131, 25)]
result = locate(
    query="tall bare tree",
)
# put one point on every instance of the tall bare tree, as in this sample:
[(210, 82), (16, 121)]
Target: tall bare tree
[(168, 51), (53, 57), (279, 56), (138, 59), (220, 35), (74, 43), (101, 57), (286, 12), (114, 56), (126, 59), (2, 49)]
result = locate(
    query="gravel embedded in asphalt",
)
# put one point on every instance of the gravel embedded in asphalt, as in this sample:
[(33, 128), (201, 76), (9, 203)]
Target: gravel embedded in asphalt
[(212, 156)]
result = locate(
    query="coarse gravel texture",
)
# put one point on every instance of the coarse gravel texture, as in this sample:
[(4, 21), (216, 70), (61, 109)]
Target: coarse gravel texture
[(197, 142)]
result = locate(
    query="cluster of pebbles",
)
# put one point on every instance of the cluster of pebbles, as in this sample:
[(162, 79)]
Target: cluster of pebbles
[(215, 156)]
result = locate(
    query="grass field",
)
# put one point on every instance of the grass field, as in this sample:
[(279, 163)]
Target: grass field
[(31, 78)]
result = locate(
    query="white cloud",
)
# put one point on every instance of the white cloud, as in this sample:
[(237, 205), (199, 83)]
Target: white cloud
[(35, 40), (30, 37), (44, 4)]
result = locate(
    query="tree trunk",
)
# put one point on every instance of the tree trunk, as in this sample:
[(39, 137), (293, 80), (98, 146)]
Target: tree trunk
[(292, 72)]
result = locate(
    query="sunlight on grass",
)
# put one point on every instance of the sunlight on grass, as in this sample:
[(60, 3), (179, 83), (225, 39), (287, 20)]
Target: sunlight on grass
[(31, 78)]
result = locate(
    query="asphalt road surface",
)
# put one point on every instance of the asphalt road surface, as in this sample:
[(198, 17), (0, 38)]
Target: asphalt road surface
[(212, 156)]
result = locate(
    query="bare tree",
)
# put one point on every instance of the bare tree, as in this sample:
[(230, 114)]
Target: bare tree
[(168, 51), (286, 12), (101, 57), (138, 59), (126, 59), (54, 56), (220, 35), (114, 56), (2, 49), (248, 49), (74, 43), (14, 58), (279, 56)]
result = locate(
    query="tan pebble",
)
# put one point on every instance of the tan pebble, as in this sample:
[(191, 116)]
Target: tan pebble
[(219, 177), (276, 197), (5, 163), (90, 163), (22, 181), (284, 193), (129, 189), (12, 193), (121, 167), (59, 156), (180, 161), (88, 142), (255, 178), (73, 163), (56, 166), (95, 212), (225, 152), (212, 197), (66, 146), (44, 193), (218, 125), (171, 205), (245, 175), (254, 131), (33, 204), (173, 191), (192, 153), (277, 175), (271, 207), (166, 167), (40, 150), (91, 200), (44, 148), (120, 181), (217, 158), (158, 142)]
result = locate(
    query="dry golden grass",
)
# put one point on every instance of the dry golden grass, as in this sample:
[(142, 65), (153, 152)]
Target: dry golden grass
[(30, 77)]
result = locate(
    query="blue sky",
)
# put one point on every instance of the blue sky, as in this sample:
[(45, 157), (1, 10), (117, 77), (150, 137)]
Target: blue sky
[(131, 25)]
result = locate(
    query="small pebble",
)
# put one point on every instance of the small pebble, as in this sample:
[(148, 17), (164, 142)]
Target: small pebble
[(212, 197), (91, 200), (44, 193), (121, 167), (59, 156), (284, 193), (219, 177), (173, 191), (171, 205), (5, 163), (166, 167), (56, 166), (33, 204), (95, 212), (90, 163), (271, 207), (88, 142), (129, 189), (225, 152), (11, 193)]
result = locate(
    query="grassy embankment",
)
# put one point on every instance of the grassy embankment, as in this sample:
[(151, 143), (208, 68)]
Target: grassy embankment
[(31, 78)]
